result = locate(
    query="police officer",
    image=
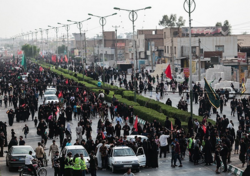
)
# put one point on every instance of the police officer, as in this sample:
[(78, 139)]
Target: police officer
[(83, 165), (68, 165), (77, 165), (190, 147)]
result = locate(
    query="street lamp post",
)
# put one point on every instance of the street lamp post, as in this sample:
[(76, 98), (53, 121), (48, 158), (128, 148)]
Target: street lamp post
[(187, 7), (41, 30), (102, 21), (79, 26), (133, 17), (67, 29), (56, 29), (32, 44), (47, 33)]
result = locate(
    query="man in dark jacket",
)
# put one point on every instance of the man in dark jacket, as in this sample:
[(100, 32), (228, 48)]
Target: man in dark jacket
[(92, 163)]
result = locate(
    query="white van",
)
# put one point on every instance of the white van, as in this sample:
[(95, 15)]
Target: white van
[(77, 149), (123, 157)]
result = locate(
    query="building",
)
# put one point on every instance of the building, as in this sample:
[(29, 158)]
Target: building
[(176, 47), (149, 45)]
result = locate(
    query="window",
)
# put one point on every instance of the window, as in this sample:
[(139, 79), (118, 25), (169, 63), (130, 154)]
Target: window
[(193, 49), (153, 32), (164, 35), (164, 49), (219, 48), (167, 49), (175, 50)]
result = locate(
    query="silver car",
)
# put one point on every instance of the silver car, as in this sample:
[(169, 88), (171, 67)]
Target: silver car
[(16, 156)]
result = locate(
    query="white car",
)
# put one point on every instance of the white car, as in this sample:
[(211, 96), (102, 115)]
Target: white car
[(122, 158), (132, 137), (232, 93), (49, 92), (177, 78), (77, 149), (51, 98)]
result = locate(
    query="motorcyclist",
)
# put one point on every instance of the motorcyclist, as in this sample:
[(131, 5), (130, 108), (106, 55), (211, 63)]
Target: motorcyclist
[(28, 162)]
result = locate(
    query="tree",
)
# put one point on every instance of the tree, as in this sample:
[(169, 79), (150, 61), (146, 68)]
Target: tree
[(218, 24), (30, 50), (171, 21), (61, 49), (244, 33), (226, 26)]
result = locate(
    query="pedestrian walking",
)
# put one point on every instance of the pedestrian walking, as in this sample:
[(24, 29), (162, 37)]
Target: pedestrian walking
[(92, 163), (56, 164), (52, 150), (25, 130)]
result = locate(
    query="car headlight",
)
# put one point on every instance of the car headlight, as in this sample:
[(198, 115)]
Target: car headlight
[(117, 162)]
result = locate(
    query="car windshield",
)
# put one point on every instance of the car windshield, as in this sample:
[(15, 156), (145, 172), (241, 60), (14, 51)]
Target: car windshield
[(49, 92), (124, 152), (22, 150), (51, 98), (78, 151)]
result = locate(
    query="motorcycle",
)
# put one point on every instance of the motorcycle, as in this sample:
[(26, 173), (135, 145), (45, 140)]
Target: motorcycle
[(25, 171)]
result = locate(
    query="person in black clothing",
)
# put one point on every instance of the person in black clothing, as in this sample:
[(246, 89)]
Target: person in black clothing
[(2, 141), (169, 102), (92, 163), (21, 142), (217, 159), (224, 153), (168, 123), (243, 150)]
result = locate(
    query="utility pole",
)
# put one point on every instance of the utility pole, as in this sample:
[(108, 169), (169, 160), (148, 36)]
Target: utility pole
[(85, 46), (151, 57), (199, 73), (116, 57), (172, 53)]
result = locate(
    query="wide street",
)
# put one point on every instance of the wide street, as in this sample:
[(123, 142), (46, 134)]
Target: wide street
[(188, 168)]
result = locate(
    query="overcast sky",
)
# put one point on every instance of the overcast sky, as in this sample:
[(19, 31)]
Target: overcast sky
[(21, 16)]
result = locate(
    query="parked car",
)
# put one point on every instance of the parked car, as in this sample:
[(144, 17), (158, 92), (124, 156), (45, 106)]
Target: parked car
[(74, 149), (15, 157), (132, 137), (123, 157), (51, 98), (177, 78), (231, 91), (49, 92)]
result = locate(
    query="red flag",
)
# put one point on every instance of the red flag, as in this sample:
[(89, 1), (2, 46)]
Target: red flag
[(204, 129), (36, 80), (40, 68), (77, 89), (168, 72), (60, 95), (66, 59), (135, 125), (67, 81), (172, 126), (103, 136), (53, 58), (20, 52), (61, 59)]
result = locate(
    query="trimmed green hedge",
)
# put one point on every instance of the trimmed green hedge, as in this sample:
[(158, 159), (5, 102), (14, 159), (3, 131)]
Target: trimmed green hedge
[(146, 108), (161, 107)]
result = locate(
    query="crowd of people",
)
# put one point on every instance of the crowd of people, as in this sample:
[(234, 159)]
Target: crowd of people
[(116, 120)]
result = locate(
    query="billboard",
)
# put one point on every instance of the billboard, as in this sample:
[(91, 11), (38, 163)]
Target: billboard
[(120, 44), (186, 72), (242, 57), (206, 31)]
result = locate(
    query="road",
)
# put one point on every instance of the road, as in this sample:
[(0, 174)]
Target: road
[(188, 168)]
